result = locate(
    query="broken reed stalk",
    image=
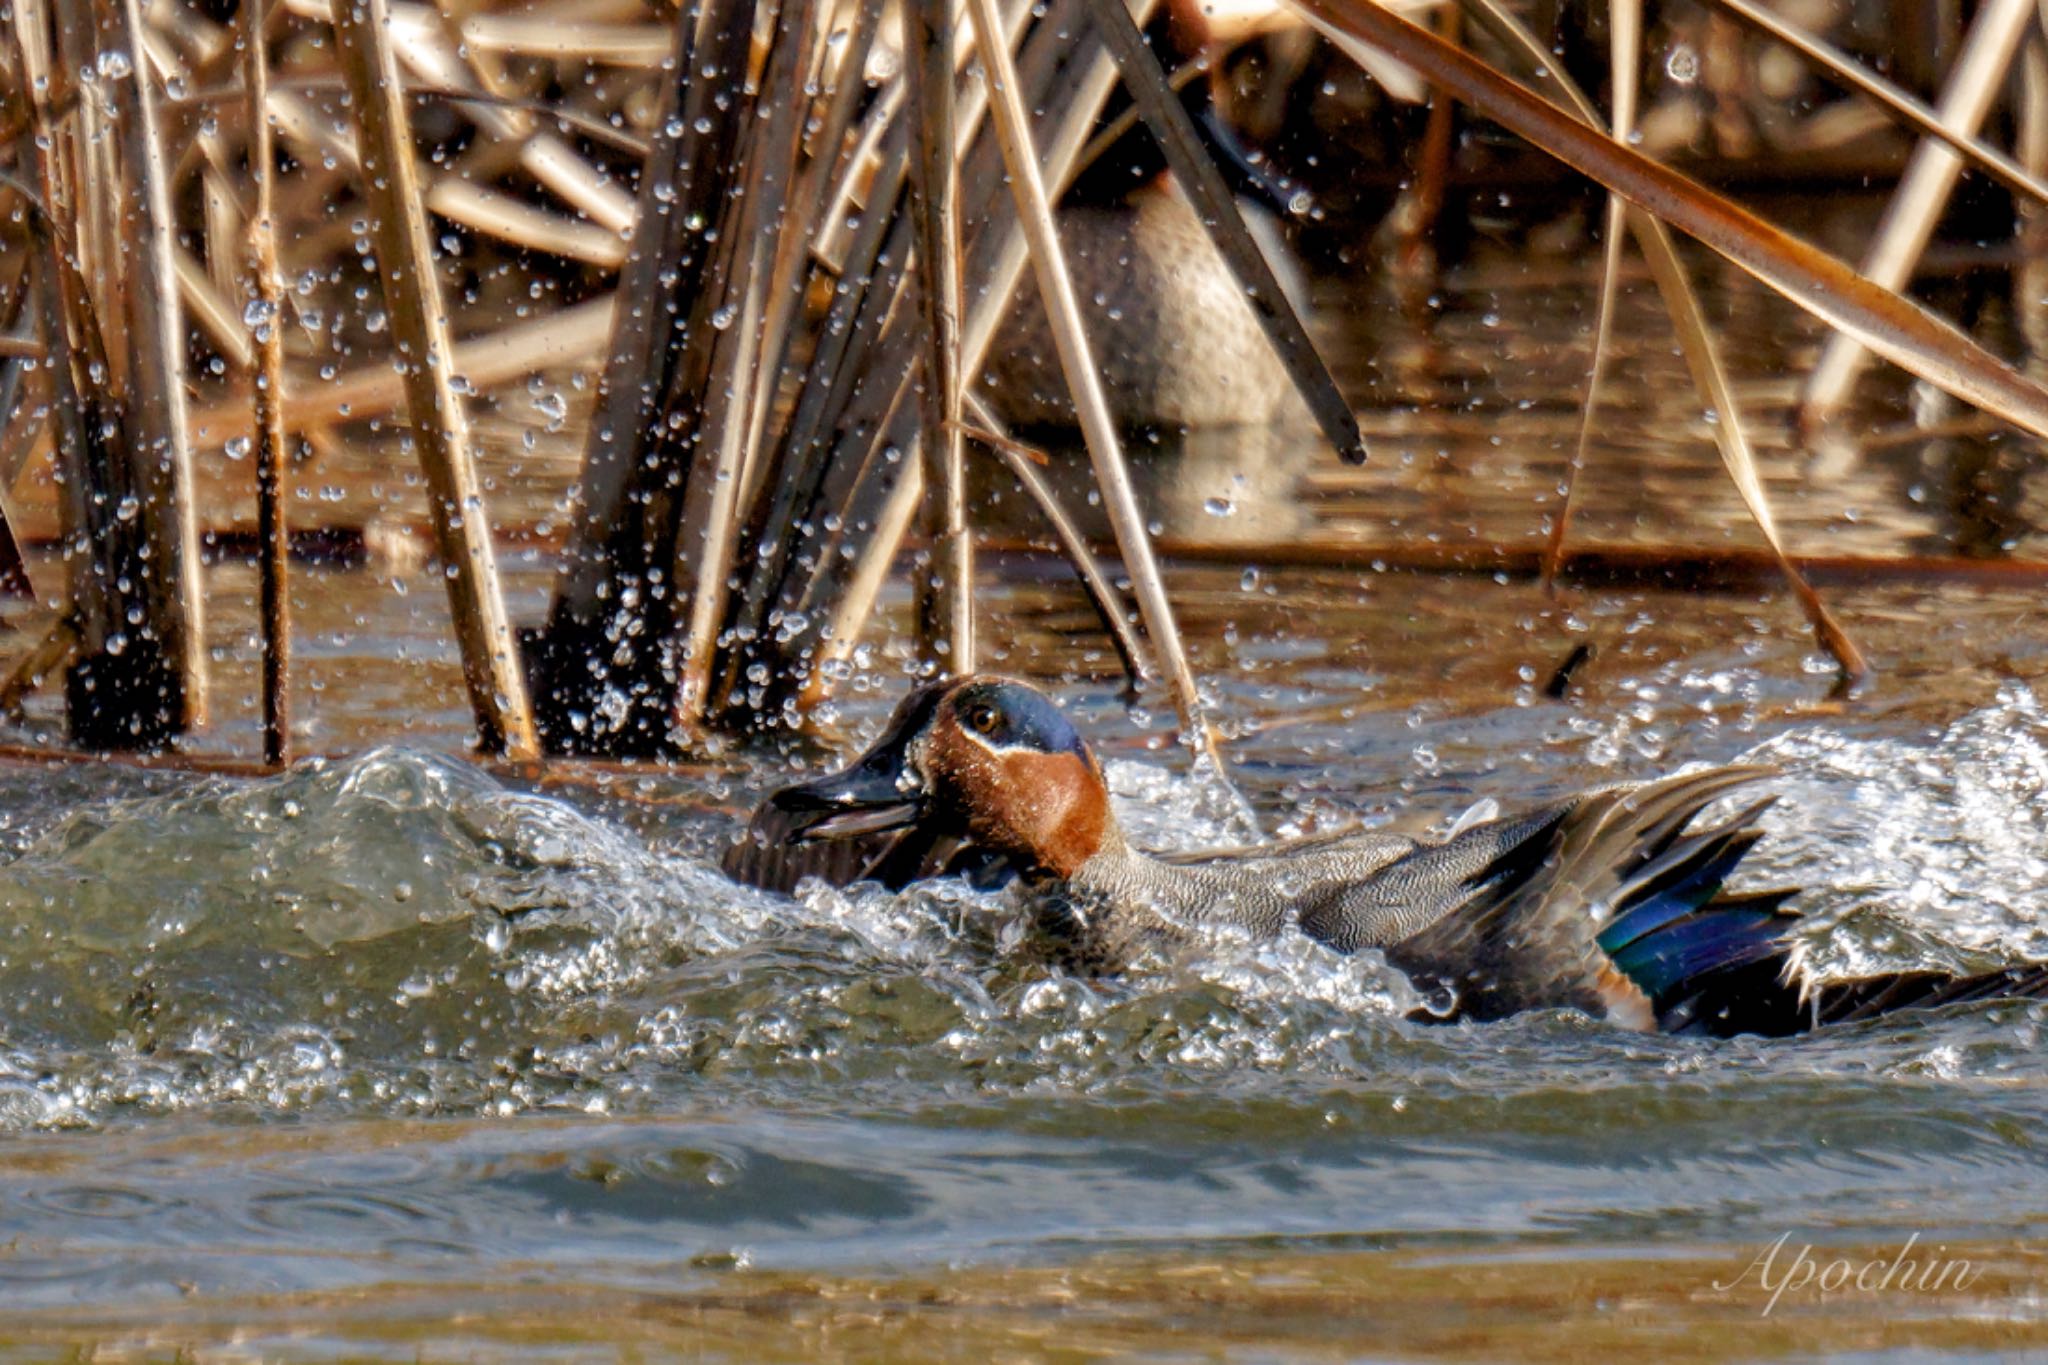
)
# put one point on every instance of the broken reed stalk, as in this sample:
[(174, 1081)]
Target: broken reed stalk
[(266, 338), (419, 325), (1923, 191), (1084, 381), (1171, 127), (946, 586)]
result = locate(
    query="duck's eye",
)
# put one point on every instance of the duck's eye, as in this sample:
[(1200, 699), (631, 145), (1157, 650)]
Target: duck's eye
[(983, 720)]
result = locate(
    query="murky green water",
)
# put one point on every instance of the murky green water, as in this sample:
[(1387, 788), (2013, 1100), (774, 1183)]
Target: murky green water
[(391, 1056)]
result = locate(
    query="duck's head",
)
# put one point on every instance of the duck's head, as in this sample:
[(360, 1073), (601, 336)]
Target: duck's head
[(988, 760)]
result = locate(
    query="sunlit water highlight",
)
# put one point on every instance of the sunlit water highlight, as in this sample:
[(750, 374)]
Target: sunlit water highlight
[(390, 1018), (390, 1032)]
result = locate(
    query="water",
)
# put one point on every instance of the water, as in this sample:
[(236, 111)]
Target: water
[(310, 1064), (395, 1056)]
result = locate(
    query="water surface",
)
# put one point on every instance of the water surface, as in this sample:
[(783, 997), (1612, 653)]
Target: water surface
[(397, 1056)]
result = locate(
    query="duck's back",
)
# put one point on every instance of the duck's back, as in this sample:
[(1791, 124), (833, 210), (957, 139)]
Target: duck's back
[(1172, 334)]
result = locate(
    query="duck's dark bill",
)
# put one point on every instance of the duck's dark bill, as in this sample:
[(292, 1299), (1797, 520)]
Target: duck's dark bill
[(867, 798), (811, 826)]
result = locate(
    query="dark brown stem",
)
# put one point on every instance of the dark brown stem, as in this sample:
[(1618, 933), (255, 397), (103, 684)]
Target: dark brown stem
[(266, 288)]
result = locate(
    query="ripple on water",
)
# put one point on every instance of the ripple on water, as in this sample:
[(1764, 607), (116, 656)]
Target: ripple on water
[(402, 933)]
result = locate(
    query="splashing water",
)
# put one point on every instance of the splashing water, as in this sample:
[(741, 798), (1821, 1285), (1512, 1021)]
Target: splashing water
[(296, 1016), (1917, 855), (402, 932)]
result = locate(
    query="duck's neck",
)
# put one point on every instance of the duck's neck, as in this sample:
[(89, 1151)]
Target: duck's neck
[(1074, 827)]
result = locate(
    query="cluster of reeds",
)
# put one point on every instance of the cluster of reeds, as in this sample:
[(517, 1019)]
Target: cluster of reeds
[(836, 203)]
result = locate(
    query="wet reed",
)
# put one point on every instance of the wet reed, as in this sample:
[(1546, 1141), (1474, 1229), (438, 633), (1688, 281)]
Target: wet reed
[(785, 236)]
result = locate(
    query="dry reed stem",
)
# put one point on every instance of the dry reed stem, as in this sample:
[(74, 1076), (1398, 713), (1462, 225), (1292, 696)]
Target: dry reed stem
[(2030, 277), (50, 654), (219, 321), (797, 247), (98, 547), (158, 405), (1895, 327), (1055, 286), (710, 530), (1102, 594), (945, 618), (852, 612), (1922, 192), (491, 212), (419, 324), (869, 341), (1703, 362), (265, 289), (426, 50), (2023, 180), (573, 337), (1624, 46), (1175, 133)]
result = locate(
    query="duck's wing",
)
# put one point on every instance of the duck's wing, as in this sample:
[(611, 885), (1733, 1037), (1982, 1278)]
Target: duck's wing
[(1767, 998), (1612, 903), (1515, 914)]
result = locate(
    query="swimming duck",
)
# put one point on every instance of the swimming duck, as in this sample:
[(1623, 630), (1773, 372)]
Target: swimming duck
[(1610, 902)]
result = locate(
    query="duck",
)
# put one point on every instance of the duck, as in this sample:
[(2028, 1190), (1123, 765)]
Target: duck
[(1173, 336), (1612, 902)]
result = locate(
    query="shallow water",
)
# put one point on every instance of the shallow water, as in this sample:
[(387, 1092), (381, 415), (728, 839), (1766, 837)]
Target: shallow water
[(394, 1056), (391, 1054)]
